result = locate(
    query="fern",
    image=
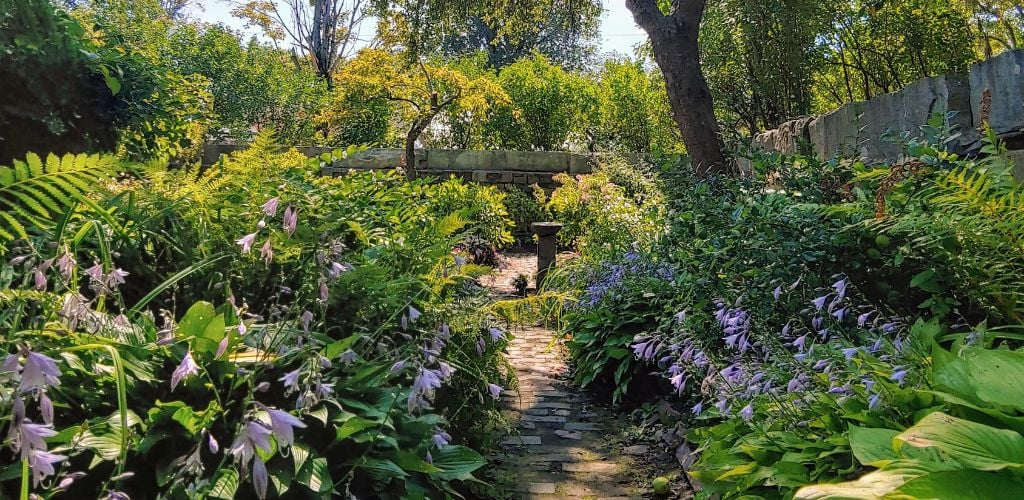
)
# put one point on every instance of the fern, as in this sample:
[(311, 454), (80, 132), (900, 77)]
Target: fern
[(33, 193)]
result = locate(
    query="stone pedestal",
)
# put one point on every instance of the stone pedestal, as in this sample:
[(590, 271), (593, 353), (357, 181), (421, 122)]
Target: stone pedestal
[(547, 248)]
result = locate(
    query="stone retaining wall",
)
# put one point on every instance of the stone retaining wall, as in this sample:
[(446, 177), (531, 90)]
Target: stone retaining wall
[(519, 169), (858, 127)]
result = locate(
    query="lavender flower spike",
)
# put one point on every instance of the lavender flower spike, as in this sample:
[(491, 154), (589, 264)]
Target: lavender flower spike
[(41, 462)]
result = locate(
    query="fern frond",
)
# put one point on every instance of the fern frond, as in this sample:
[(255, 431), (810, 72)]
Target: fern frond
[(34, 192)]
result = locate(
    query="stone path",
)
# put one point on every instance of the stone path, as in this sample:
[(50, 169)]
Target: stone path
[(563, 448)]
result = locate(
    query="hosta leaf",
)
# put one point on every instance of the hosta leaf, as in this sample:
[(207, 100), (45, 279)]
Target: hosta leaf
[(226, 485), (870, 486), (964, 485), (457, 462), (972, 444), (996, 376), (381, 469)]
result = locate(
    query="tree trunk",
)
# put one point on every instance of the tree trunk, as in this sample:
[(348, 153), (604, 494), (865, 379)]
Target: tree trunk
[(674, 42)]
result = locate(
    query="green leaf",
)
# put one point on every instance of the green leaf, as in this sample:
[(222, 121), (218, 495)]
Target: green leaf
[(964, 485), (316, 475), (926, 280), (352, 426), (412, 462), (112, 82), (972, 444), (457, 462), (334, 349), (194, 323), (997, 376), (226, 485), (873, 446), (381, 468), (870, 486)]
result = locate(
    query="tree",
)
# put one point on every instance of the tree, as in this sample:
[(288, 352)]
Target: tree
[(420, 91), (676, 50), (323, 31)]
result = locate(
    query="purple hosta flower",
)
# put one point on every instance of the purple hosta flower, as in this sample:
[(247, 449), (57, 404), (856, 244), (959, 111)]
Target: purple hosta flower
[(889, 327), (819, 303), (839, 314), (646, 350), (795, 384), (445, 370), (27, 436), (324, 292), (39, 280), (898, 375), (212, 444), (800, 356), (68, 480), (115, 278), (423, 385), (41, 462), (270, 207), (460, 260), (824, 333), (335, 269), (898, 344), (747, 413), (290, 220), (681, 316), (679, 381), (817, 323), (873, 401), (246, 242), (840, 288), (398, 366), (45, 407), (40, 372), (862, 319), (697, 408), (222, 346), (869, 384), (496, 334), (850, 352), (290, 381), (283, 425), (800, 342), (822, 364), (255, 435), (259, 477), (777, 292), (785, 330), (95, 273), (324, 390), (10, 365), (348, 356), (414, 314), (66, 264), (481, 346), (722, 406), (732, 373), (262, 387), (440, 439), (306, 318), (187, 368), (267, 252), (495, 390)]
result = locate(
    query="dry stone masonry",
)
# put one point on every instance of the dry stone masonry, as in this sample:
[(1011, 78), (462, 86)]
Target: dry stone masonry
[(859, 127)]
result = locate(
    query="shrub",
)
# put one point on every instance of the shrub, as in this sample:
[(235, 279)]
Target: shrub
[(608, 212)]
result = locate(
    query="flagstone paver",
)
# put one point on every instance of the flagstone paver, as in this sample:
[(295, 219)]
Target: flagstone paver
[(562, 450)]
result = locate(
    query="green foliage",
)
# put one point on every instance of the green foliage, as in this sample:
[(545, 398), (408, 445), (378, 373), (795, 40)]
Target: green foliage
[(616, 208), (634, 111), (36, 195), (548, 106), (338, 309)]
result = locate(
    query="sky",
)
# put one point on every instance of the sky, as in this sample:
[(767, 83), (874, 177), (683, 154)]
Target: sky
[(618, 31)]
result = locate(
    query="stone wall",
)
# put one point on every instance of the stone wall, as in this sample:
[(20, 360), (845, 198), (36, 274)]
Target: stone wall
[(859, 127), (518, 169)]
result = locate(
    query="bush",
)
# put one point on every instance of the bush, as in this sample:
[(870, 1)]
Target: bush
[(615, 209)]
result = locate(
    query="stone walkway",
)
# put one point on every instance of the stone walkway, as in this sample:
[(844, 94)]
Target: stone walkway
[(563, 448)]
